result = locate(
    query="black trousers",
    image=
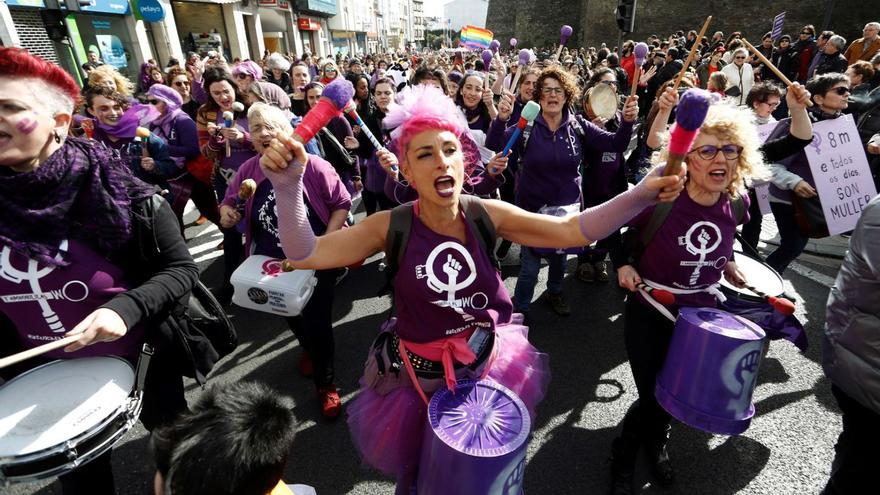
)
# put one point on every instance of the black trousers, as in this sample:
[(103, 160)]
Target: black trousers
[(856, 456), (751, 231), (791, 241), (376, 201), (647, 335), (314, 327)]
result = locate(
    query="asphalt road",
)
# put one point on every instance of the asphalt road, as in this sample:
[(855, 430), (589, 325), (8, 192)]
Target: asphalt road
[(787, 449)]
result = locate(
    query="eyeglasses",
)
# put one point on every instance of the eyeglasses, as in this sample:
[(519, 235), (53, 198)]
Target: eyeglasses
[(552, 91), (242, 76), (771, 105), (842, 91), (740, 58), (154, 102), (806, 32), (181, 84), (708, 152)]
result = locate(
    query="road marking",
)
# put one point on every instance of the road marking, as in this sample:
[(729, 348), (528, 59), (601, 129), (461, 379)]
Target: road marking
[(813, 275), (201, 248), (209, 256)]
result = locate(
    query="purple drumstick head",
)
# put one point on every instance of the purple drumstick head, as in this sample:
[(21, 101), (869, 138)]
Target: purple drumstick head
[(524, 57), (494, 46), (340, 92), (513, 42), (487, 58), (692, 108), (564, 34), (640, 51)]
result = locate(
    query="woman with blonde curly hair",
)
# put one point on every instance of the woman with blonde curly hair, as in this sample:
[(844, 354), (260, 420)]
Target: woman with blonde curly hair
[(107, 75), (726, 151)]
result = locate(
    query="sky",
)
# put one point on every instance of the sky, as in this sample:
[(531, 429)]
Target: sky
[(434, 8)]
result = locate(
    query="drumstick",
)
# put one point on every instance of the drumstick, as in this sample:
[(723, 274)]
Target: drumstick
[(36, 351), (691, 54), (772, 67), (780, 304), (639, 52), (659, 295)]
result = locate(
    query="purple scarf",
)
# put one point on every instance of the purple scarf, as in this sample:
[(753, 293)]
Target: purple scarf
[(80, 191), (137, 115)]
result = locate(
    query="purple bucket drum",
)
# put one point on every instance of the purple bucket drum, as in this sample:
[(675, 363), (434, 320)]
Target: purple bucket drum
[(475, 441), (710, 370)]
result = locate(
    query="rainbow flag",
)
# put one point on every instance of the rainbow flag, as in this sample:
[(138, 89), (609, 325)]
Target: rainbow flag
[(474, 37)]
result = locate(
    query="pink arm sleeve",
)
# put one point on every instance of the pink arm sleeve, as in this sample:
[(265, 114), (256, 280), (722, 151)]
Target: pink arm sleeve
[(602, 220), (297, 238)]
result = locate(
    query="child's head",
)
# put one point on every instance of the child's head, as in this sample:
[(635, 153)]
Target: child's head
[(717, 82), (234, 440)]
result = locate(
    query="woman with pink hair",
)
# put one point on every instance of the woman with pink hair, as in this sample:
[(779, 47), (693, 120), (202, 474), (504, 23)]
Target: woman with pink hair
[(463, 340)]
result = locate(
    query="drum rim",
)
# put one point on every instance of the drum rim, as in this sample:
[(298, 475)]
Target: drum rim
[(741, 293), (89, 432)]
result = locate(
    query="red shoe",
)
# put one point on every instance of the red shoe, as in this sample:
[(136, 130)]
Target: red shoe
[(330, 403), (305, 365)]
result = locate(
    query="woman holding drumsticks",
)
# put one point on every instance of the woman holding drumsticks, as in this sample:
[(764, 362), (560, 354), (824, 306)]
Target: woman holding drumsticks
[(387, 417)]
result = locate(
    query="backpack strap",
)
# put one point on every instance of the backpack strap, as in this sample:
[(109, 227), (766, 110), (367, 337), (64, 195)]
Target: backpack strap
[(478, 219), (395, 241), (640, 239)]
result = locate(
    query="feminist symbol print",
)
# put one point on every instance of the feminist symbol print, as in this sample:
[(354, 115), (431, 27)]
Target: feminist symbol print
[(454, 258), (706, 241)]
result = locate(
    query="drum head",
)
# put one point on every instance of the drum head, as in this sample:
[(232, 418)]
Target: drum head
[(758, 275), (59, 401), (603, 101)]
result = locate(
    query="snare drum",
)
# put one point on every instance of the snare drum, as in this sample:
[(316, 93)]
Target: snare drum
[(759, 275), (64, 414)]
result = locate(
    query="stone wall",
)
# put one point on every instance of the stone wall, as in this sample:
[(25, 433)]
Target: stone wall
[(537, 22)]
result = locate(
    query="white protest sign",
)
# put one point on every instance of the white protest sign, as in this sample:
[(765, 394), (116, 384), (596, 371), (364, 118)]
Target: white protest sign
[(841, 173), (762, 191)]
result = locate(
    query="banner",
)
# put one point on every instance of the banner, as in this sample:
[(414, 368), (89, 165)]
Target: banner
[(762, 191), (841, 172), (776, 31)]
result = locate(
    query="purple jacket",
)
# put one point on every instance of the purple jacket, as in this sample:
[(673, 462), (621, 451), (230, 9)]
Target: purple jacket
[(549, 172), (182, 139), (321, 186)]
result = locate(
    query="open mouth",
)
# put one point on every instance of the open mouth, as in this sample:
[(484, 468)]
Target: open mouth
[(4, 138), (445, 186), (718, 175)]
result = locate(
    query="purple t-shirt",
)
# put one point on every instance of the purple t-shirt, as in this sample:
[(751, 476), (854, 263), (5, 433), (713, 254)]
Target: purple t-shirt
[(691, 248), (45, 302), (444, 288), (264, 222)]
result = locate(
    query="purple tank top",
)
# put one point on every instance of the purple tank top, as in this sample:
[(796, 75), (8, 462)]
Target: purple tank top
[(45, 302), (444, 288)]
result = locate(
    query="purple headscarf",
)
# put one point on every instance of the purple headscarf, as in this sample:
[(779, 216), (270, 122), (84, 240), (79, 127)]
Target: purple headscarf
[(250, 68), (273, 95), (172, 101), (81, 191)]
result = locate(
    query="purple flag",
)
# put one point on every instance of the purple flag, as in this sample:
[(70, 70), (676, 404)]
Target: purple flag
[(778, 21)]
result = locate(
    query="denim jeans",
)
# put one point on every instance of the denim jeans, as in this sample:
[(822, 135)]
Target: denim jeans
[(530, 265)]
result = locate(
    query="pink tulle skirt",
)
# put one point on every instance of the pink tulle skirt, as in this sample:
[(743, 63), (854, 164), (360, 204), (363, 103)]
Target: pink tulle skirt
[(387, 429)]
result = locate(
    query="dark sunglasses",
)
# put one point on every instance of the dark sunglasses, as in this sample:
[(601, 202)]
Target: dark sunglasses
[(182, 83), (242, 75), (740, 58), (806, 32), (154, 102), (709, 152), (842, 91)]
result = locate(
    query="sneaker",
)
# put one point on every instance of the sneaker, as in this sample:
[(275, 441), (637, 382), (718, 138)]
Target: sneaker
[(557, 302), (586, 272), (601, 271), (305, 366), (330, 403)]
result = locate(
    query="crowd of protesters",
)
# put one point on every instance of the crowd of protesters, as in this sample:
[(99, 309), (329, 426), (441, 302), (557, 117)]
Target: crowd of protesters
[(171, 131)]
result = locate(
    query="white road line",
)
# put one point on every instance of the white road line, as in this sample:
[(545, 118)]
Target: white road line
[(201, 248), (213, 254), (813, 275)]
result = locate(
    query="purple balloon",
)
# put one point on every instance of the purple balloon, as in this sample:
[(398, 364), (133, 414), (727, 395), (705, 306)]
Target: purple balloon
[(513, 42), (494, 46), (487, 58), (524, 57), (640, 51), (564, 34)]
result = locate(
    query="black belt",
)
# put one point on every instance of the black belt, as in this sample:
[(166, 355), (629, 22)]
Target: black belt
[(426, 368)]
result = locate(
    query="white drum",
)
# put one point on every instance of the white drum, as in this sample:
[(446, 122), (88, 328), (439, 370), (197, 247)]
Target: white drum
[(64, 414), (260, 283)]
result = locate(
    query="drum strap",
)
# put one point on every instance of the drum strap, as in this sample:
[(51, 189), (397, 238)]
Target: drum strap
[(142, 367), (712, 289)]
